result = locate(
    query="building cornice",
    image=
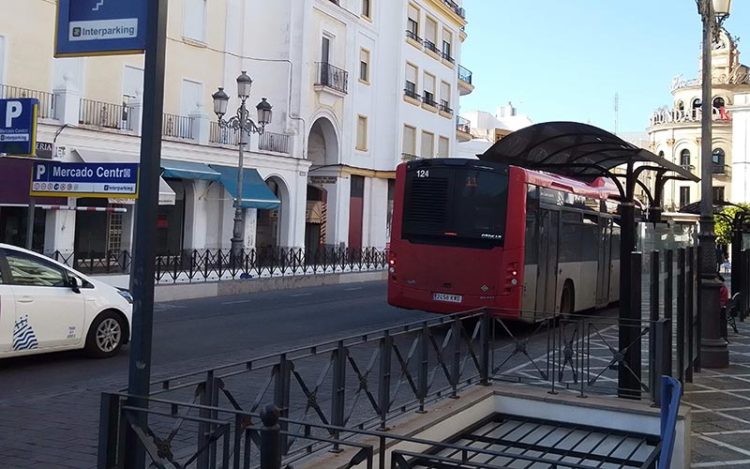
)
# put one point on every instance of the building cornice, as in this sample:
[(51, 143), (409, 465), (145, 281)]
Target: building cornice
[(447, 12)]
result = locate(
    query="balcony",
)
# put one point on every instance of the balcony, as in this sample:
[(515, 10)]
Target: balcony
[(431, 48), (221, 136), (46, 100), (411, 95), (413, 37), (106, 115), (428, 101), (445, 109), (720, 169), (465, 77), (447, 58), (331, 79), (270, 141), (459, 10), (177, 126), (463, 129), (408, 157)]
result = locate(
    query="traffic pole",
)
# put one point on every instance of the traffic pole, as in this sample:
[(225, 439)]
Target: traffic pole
[(144, 258)]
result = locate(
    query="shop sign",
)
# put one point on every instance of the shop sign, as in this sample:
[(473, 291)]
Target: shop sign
[(18, 126), (100, 27), (99, 180), (323, 179)]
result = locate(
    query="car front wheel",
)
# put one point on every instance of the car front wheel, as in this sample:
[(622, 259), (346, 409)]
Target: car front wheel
[(106, 335)]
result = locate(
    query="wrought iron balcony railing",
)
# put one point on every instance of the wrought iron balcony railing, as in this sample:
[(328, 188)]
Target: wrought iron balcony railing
[(430, 46), (270, 141), (216, 134), (429, 99), (413, 36), (106, 115), (411, 91), (332, 77), (447, 56), (463, 125), (46, 100), (177, 126), (445, 107)]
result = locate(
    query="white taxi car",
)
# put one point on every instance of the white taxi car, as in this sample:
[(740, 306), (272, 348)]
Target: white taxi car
[(46, 306)]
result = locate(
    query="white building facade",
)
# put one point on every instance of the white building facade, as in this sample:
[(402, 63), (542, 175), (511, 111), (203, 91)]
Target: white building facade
[(484, 129), (321, 175), (675, 130)]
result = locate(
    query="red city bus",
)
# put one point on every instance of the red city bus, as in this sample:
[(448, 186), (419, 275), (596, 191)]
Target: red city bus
[(470, 234)]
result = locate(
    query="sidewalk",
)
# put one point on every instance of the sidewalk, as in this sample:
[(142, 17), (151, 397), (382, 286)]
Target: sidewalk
[(720, 403)]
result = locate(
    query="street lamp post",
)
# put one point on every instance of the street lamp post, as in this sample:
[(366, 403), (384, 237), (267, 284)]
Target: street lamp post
[(714, 352), (244, 125)]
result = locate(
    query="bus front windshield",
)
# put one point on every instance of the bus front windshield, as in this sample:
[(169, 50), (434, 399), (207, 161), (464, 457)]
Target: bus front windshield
[(456, 205)]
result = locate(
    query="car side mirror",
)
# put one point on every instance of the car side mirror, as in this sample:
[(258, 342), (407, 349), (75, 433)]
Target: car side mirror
[(73, 284)]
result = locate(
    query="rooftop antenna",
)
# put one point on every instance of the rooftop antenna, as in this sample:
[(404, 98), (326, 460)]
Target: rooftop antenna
[(617, 111)]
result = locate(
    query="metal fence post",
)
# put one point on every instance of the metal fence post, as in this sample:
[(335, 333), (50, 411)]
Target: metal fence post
[(653, 344), (270, 439), (698, 326), (206, 458), (456, 362), (424, 365), (690, 309), (281, 393), (484, 337), (629, 377), (384, 386), (662, 328), (669, 304), (111, 434), (681, 314), (339, 390)]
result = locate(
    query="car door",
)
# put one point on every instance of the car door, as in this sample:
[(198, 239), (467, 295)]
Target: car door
[(49, 314), (7, 309)]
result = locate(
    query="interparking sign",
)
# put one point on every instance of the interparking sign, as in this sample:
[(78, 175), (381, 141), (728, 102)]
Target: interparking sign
[(18, 126), (100, 27), (102, 180)]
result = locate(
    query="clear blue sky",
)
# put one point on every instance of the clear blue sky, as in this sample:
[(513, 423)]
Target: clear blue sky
[(566, 59)]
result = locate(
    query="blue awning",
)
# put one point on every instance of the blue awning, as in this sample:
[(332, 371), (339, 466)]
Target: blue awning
[(188, 170), (255, 192)]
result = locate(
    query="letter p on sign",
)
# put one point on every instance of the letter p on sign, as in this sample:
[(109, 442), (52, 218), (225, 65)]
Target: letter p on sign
[(12, 111), (40, 170)]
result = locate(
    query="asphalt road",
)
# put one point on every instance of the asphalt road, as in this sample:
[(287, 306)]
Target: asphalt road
[(49, 405)]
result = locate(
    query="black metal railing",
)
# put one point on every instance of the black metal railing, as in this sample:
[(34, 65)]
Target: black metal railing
[(445, 107), (460, 11), (332, 77), (413, 36), (718, 168), (447, 56), (46, 100), (429, 99), (464, 74), (411, 91), (222, 135), (270, 141), (430, 46), (177, 126), (106, 115), (463, 125), (191, 266), (408, 156)]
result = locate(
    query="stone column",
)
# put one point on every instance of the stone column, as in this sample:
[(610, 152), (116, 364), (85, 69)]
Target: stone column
[(67, 102), (201, 125), (196, 214), (59, 235)]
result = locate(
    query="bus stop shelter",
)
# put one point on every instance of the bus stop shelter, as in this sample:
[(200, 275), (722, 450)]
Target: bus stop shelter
[(585, 152)]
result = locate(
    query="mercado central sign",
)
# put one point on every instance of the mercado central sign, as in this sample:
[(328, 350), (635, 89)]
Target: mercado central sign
[(102, 180)]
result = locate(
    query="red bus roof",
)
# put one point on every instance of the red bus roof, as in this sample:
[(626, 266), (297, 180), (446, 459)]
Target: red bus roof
[(600, 188)]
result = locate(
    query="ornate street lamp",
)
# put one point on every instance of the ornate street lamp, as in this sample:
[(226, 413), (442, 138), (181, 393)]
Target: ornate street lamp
[(714, 352), (242, 123)]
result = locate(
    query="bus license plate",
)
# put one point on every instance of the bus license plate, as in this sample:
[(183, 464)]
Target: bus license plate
[(447, 298)]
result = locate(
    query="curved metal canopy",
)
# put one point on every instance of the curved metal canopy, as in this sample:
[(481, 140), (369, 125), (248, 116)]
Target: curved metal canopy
[(576, 150)]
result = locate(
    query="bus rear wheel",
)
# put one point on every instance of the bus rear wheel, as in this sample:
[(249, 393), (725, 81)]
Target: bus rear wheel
[(567, 301)]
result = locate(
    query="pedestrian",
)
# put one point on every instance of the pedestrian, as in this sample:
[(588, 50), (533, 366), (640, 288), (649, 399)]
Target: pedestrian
[(723, 293)]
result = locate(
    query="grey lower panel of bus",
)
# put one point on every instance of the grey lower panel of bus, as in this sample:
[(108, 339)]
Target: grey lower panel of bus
[(512, 441)]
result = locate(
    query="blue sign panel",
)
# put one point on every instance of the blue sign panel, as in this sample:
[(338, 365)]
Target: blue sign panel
[(100, 27), (102, 180), (18, 126)]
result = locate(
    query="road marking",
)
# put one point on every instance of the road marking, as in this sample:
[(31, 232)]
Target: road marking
[(725, 445), (236, 302), (299, 295), (721, 463), (353, 289)]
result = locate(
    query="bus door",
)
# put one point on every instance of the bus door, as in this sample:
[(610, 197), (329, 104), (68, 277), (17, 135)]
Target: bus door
[(604, 261), (546, 284)]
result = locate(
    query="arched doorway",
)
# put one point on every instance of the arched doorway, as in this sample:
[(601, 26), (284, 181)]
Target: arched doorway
[(272, 224), (323, 153)]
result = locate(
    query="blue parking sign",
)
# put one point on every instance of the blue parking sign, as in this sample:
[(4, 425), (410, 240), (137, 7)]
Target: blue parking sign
[(18, 126), (100, 27)]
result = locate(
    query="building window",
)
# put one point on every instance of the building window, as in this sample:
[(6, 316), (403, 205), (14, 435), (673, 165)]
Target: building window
[(366, 9), (443, 147), (412, 23), (362, 133), (192, 96), (684, 196), (661, 154), (447, 45), (195, 20), (410, 89), (428, 145), (429, 90), (430, 37), (364, 65), (718, 159), (409, 144), (719, 102), (445, 97), (685, 158), (718, 194)]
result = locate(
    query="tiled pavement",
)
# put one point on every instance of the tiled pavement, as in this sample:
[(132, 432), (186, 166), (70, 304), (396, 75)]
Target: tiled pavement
[(720, 403)]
